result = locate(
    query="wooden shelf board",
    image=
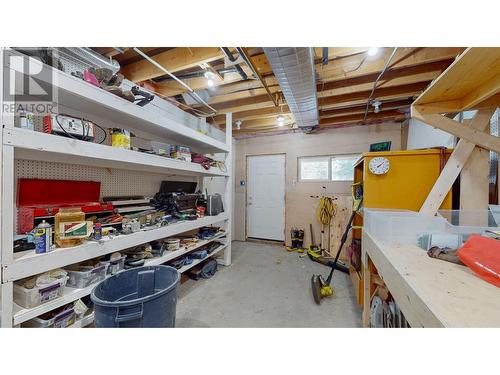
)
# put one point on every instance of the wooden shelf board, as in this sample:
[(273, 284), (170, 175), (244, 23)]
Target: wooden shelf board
[(431, 292), (470, 80)]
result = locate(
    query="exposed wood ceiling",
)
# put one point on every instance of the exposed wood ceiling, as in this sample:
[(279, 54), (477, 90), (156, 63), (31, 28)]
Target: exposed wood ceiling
[(344, 82)]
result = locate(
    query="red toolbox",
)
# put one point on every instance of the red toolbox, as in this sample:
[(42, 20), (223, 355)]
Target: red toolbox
[(38, 198)]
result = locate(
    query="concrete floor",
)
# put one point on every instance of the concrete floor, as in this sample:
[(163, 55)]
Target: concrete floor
[(265, 287)]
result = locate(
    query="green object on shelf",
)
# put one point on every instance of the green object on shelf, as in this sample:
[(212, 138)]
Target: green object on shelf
[(380, 146)]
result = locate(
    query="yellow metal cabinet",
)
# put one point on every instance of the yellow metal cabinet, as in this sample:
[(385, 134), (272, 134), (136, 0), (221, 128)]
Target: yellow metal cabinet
[(406, 184)]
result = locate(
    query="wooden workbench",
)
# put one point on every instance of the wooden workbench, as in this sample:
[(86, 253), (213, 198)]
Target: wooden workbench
[(429, 292)]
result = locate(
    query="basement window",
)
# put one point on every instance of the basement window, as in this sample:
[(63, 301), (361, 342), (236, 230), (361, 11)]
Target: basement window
[(343, 167), (315, 168), (327, 168)]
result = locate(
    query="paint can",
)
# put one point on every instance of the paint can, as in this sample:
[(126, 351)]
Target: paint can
[(43, 237)]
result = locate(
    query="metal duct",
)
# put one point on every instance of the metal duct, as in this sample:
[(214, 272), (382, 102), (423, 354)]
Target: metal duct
[(294, 70), (91, 57)]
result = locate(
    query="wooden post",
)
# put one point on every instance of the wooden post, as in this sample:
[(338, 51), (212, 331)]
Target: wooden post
[(472, 134), (474, 181), (456, 162), (365, 261)]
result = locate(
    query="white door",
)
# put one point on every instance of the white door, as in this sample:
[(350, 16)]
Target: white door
[(266, 197)]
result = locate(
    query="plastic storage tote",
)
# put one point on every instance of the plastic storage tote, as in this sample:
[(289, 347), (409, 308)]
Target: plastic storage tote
[(408, 227), (29, 298), (469, 221), (139, 297), (160, 148), (114, 266), (400, 226), (83, 276), (62, 319)]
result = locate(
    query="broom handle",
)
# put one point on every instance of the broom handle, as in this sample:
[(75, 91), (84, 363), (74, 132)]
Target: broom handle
[(342, 242)]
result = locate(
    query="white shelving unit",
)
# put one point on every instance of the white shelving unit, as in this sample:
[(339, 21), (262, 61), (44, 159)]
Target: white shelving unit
[(29, 145), (72, 294), (21, 144), (187, 267)]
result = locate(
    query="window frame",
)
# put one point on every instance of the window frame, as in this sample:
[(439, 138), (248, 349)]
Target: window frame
[(330, 158), (343, 156), (299, 174)]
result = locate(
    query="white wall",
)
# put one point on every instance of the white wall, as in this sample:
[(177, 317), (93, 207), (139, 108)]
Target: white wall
[(300, 208), (421, 135)]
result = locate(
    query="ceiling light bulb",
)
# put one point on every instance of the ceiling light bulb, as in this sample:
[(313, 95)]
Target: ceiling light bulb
[(281, 120), (372, 51), (376, 106), (238, 124), (210, 83)]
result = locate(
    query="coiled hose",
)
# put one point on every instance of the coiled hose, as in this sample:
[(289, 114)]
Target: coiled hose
[(326, 210)]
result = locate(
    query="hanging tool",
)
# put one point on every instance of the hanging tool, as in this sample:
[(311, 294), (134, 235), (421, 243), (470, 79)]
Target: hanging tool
[(320, 287), (325, 211)]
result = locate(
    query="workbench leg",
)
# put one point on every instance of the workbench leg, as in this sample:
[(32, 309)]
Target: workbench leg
[(365, 262)]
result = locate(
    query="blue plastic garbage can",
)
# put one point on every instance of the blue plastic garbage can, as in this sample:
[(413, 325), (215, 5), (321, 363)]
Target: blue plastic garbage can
[(139, 297)]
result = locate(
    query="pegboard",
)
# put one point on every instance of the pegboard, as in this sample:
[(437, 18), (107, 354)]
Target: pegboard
[(114, 182)]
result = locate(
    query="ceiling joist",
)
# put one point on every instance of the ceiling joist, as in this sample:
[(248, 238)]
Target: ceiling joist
[(173, 60), (344, 82)]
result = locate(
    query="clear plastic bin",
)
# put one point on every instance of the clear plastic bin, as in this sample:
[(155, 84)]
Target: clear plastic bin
[(469, 221), (114, 266), (84, 320), (407, 227), (62, 319), (30, 298), (83, 276), (400, 226), (161, 148)]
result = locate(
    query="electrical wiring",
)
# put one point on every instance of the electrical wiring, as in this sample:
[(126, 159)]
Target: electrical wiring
[(356, 68), (84, 135), (326, 210), (346, 72), (378, 78)]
